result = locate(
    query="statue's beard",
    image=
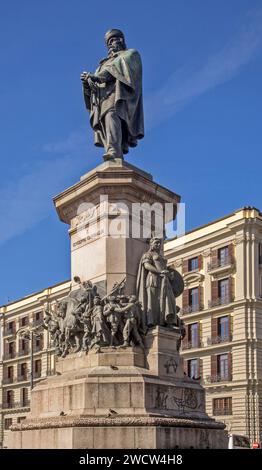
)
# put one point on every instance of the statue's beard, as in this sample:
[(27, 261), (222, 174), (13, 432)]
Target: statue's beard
[(112, 50)]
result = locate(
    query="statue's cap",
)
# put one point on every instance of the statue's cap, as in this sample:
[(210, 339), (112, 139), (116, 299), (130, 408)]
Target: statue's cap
[(112, 33)]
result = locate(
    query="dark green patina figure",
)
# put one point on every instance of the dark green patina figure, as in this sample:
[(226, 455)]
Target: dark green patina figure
[(113, 96)]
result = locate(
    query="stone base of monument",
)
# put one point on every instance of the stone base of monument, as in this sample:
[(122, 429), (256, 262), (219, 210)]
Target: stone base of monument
[(120, 398)]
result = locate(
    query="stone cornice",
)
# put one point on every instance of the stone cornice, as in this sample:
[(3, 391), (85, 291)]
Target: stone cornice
[(86, 421)]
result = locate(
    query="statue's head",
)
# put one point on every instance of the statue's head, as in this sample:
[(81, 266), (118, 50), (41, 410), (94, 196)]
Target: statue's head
[(155, 244), (115, 41), (111, 298), (97, 300), (132, 298)]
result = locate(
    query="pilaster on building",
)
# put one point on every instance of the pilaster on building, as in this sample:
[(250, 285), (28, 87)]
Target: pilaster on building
[(221, 307), (15, 363)]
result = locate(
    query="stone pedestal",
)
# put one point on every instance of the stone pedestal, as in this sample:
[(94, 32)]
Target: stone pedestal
[(120, 398), (127, 397), (106, 229)]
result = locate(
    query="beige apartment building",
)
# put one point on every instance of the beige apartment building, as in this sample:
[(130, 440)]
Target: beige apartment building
[(221, 306), (15, 360)]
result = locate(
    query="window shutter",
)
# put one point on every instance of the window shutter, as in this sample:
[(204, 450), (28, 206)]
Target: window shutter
[(214, 327), (185, 339), (213, 365), (214, 290), (229, 326), (200, 297), (232, 288), (231, 252), (200, 368), (214, 257), (199, 333), (230, 366), (185, 298), (185, 266), (200, 262)]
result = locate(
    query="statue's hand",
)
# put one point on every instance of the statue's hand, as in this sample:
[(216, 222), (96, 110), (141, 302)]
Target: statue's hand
[(84, 76)]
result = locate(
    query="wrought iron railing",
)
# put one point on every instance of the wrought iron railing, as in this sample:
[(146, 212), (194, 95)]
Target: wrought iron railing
[(222, 411), (9, 331), (191, 345), (218, 339), (16, 404), (191, 309), (218, 263), (11, 355), (218, 378), (226, 299)]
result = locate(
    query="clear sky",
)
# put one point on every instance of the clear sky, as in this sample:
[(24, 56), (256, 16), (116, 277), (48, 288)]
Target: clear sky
[(202, 63)]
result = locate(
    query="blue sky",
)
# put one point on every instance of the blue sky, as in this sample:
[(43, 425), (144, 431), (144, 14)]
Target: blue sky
[(202, 65)]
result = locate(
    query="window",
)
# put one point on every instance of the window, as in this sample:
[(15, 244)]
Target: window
[(11, 349), (24, 321), (223, 328), (222, 406), (194, 299), (8, 423), (193, 335), (10, 398), (24, 396), (23, 369), (11, 326), (222, 366), (10, 373), (193, 368), (223, 290), (193, 264), (38, 343), (38, 368), (223, 256), (21, 418), (260, 253)]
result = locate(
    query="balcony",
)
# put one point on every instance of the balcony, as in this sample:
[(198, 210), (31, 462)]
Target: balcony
[(16, 404), (8, 380), (9, 331), (191, 309), (8, 356), (23, 352), (218, 378), (23, 378), (220, 263), (38, 321), (227, 299), (218, 339), (222, 412), (190, 345)]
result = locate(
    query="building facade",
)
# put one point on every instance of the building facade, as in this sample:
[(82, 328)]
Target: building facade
[(221, 306), (15, 360)]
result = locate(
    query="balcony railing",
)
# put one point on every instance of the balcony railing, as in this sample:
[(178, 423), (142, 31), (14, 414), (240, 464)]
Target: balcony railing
[(23, 352), (9, 331), (8, 380), (7, 356), (191, 345), (218, 339), (191, 309), (222, 411), (23, 378), (219, 263), (16, 404), (218, 378), (37, 322), (220, 301)]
